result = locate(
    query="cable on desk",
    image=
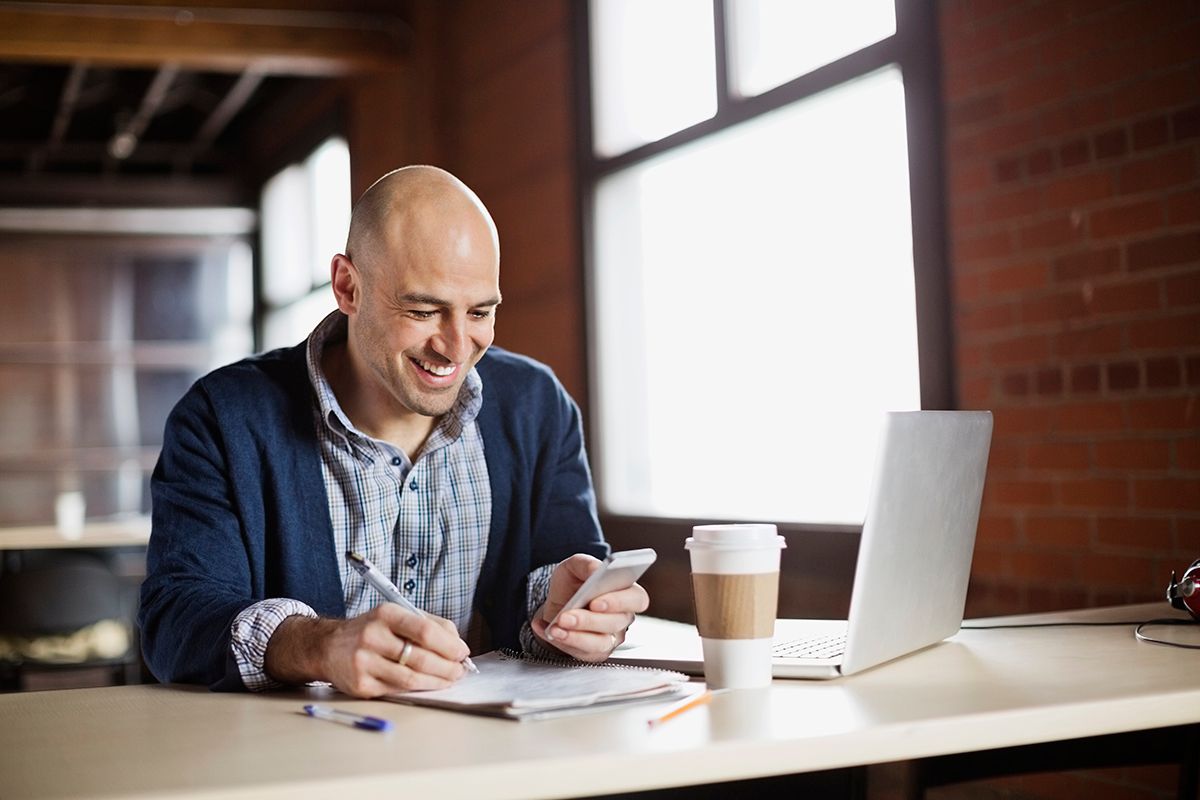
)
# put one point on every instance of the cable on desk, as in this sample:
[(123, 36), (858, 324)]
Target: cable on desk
[(1137, 631)]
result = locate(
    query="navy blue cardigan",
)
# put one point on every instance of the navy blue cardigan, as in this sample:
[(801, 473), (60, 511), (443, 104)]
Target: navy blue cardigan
[(240, 512)]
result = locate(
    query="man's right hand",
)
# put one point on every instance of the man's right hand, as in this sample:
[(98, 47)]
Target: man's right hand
[(360, 656)]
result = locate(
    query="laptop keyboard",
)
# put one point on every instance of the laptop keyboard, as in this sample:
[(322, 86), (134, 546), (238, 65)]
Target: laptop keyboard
[(830, 646)]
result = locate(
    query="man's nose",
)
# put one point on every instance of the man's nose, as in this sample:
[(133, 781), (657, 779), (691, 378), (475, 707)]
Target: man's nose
[(453, 341)]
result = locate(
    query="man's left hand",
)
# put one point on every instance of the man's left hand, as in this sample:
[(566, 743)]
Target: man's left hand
[(593, 632)]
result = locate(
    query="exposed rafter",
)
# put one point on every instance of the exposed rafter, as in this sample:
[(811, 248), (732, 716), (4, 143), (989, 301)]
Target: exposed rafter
[(269, 40)]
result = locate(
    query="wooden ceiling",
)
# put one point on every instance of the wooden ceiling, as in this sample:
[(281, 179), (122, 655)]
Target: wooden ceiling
[(98, 93)]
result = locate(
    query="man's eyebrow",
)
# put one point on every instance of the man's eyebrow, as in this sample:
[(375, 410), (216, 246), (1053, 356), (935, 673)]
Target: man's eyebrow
[(431, 300)]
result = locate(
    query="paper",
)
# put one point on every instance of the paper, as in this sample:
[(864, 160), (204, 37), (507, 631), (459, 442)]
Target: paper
[(520, 687)]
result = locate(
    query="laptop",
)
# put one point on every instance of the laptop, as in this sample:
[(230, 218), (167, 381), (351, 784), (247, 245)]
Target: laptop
[(914, 559)]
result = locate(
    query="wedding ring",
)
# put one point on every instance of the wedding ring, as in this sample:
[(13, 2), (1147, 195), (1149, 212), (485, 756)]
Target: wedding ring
[(405, 653)]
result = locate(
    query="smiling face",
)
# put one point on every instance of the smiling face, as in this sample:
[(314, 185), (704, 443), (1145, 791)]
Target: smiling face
[(421, 296)]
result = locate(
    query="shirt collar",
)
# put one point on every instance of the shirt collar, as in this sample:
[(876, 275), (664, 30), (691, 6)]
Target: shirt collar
[(449, 427)]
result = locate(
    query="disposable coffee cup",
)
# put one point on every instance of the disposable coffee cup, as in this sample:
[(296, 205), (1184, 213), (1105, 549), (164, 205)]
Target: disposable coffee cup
[(735, 586)]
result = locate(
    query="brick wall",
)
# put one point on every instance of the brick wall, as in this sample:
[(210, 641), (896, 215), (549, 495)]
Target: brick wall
[(1073, 161)]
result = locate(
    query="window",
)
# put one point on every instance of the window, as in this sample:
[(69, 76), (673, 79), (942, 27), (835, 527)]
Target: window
[(305, 217), (756, 286)]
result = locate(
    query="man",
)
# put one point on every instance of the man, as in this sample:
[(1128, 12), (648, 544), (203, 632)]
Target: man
[(393, 431)]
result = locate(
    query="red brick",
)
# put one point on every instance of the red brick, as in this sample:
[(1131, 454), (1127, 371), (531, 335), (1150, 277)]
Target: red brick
[(1074, 153), (1058, 531), (1192, 368), (1042, 565), (1094, 493), (1001, 66), (975, 109), (1163, 373), (1075, 190), (1020, 202), (982, 247), (1110, 144), (1017, 277), (1057, 307), (1037, 90), (1187, 454), (1125, 297), (1153, 132), (1049, 381), (1165, 251), (967, 179), (1099, 341), (1184, 207), (1114, 570), (987, 318), (1126, 219), (1008, 170), (1019, 350), (1185, 124), (1149, 534), (1005, 135), (1160, 91), (1057, 455), (1010, 492), (1040, 162), (1016, 420), (1123, 376), (969, 356), (1183, 290), (996, 530), (967, 287), (1015, 384), (1173, 168), (1034, 21), (1176, 413), (1085, 378), (1005, 454), (1165, 332), (1087, 264), (1133, 454), (1071, 117), (976, 392), (1101, 416), (1050, 233), (1168, 494)]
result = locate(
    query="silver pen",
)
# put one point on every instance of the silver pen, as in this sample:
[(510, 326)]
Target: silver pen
[(371, 574)]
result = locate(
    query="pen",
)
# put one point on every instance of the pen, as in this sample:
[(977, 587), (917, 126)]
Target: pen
[(687, 705), (347, 718), (363, 566)]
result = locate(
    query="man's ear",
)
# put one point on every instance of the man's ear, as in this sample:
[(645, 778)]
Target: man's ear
[(346, 282)]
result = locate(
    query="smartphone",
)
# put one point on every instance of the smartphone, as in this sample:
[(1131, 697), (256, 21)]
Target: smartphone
[(618, 571)]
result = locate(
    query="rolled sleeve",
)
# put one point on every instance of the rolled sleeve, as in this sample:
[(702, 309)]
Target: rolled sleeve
[(251, 633)]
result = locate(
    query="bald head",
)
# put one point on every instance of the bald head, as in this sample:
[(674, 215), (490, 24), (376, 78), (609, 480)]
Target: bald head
[(406, 202)]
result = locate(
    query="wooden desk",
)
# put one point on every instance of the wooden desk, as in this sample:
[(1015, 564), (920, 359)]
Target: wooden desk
[(979, 690)]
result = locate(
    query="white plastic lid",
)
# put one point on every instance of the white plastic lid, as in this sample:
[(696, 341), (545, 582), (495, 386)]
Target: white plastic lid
[(736, 535)]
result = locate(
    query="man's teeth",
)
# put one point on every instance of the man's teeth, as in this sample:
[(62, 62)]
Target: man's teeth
[(442, 371)]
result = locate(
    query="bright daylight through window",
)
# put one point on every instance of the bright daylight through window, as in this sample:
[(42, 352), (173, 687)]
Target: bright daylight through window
[(753, 298)]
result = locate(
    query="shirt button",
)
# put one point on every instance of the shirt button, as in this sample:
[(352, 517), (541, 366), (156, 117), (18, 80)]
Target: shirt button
[(397, 461), (413, 485), (412, 560), (409, 585)]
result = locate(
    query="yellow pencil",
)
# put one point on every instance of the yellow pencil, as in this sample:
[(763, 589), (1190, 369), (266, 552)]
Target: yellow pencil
[(686, 705)]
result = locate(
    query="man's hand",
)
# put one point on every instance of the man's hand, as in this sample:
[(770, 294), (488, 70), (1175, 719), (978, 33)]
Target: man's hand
[(361, 656), (591, 633)]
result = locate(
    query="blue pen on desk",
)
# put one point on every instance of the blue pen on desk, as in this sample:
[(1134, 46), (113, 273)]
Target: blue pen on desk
[(373, 576), (347, 718)]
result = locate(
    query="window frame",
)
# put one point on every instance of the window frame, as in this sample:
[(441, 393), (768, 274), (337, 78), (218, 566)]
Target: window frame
[(915, 49)]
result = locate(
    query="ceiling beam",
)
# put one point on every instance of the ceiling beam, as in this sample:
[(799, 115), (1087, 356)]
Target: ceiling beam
[(272, 41), (62, 117), (237, 96)]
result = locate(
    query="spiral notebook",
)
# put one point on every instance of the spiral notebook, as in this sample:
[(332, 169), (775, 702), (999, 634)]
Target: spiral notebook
[(522, 687)]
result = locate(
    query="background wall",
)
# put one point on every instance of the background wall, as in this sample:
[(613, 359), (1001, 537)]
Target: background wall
[(1073, 139)]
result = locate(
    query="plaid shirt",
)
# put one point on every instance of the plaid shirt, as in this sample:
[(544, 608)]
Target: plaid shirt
[(424, 524)]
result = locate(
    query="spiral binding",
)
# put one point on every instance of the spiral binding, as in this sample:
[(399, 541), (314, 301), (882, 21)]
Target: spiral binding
[(575, 663)]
